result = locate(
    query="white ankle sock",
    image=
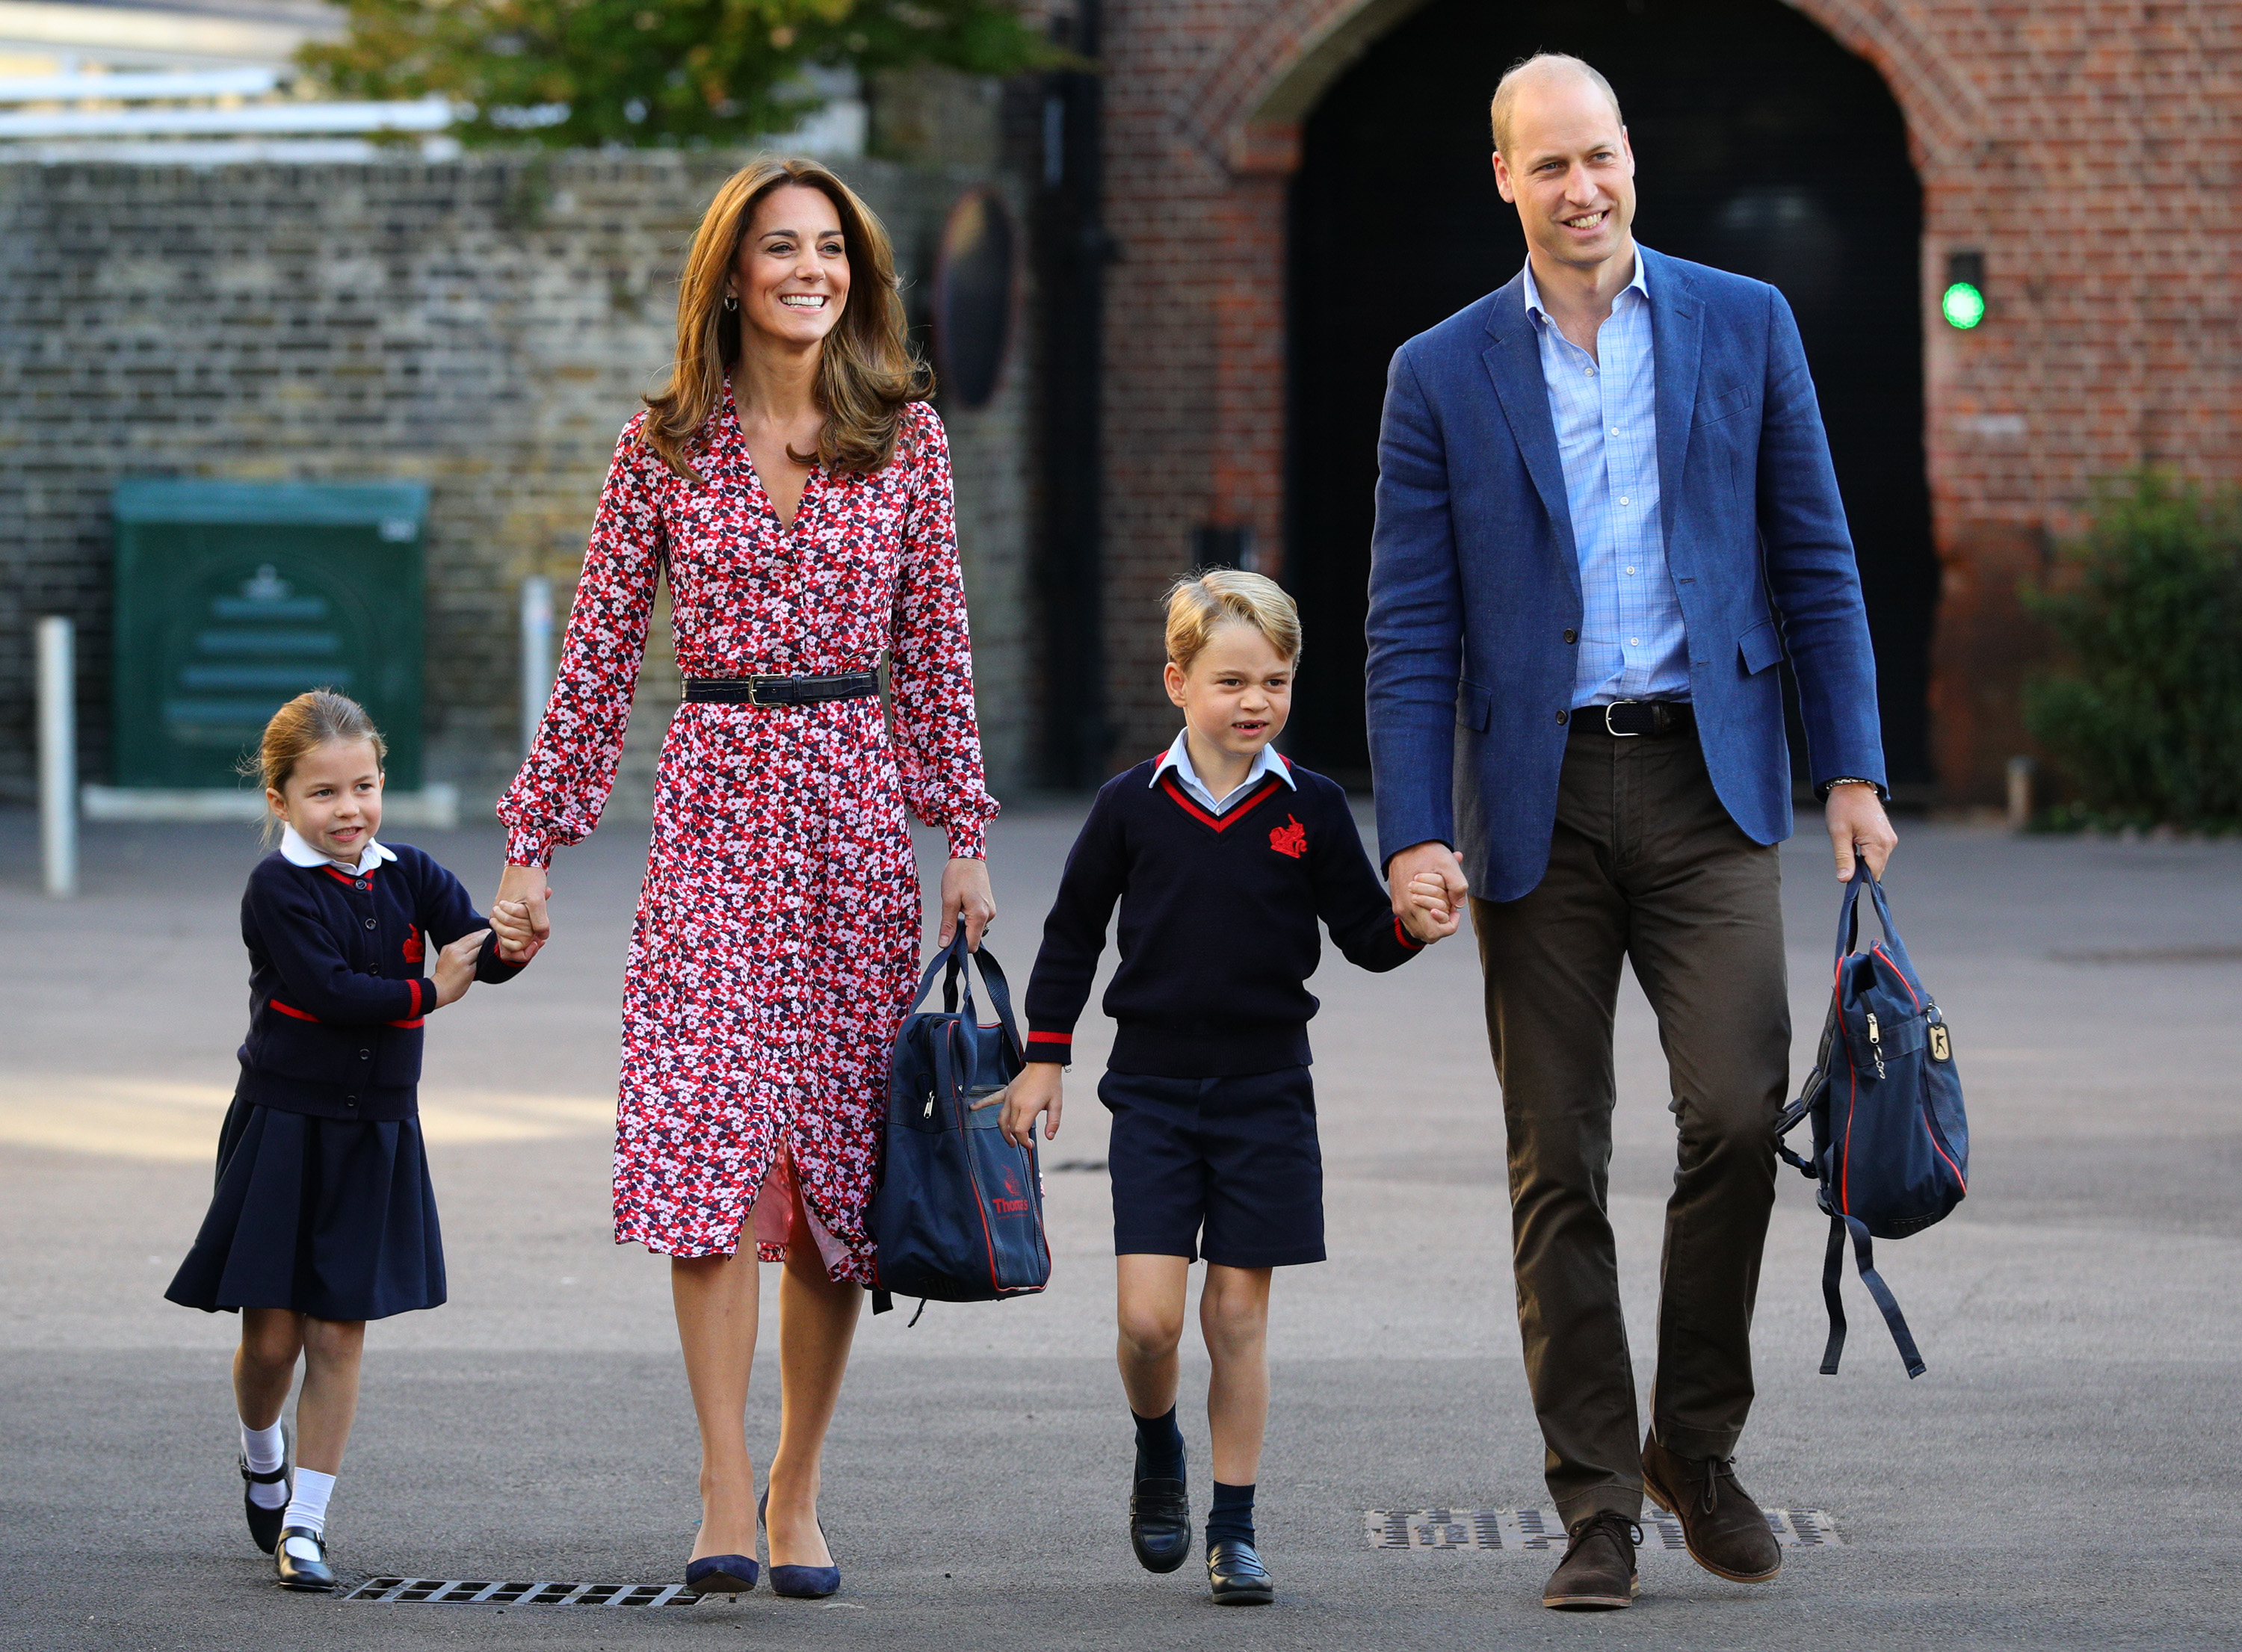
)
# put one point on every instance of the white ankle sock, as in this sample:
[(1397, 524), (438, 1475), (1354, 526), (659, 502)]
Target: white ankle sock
[(308, 1507), (264, 1449)]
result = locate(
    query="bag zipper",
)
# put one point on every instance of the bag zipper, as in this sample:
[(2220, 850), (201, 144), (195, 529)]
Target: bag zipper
[(1877, 1044)]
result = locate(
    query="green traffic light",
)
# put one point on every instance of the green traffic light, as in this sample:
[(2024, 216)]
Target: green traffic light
[(1964, 306)]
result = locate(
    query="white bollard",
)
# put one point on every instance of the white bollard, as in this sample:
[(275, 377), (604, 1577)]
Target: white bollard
[(58, 756), (2020, 793), (536, 654)]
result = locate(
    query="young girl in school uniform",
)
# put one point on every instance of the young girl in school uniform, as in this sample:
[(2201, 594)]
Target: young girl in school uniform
[(324, 1217)]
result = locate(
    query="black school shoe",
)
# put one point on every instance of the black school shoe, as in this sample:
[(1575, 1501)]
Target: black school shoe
[(313, 1575), (1160, 1523), (264, 1523), (1235, 1574)]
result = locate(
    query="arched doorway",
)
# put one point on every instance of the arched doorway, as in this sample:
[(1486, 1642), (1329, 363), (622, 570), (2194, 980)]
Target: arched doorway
[(1762, 146)]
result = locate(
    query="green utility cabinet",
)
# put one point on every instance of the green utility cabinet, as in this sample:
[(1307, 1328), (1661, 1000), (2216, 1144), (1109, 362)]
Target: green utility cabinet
[(232, 598)]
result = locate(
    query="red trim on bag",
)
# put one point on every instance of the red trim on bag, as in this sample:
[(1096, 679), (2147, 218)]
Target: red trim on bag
[(289, 1009), (1951, 1165), (980, 1196), (1898, 974), (417, 1021)]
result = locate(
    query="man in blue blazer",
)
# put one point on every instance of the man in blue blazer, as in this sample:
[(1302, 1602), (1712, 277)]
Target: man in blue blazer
[(1606, 511)]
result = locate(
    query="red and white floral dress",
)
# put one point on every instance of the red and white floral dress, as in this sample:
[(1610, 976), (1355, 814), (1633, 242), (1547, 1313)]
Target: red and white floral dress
[(776, 944)]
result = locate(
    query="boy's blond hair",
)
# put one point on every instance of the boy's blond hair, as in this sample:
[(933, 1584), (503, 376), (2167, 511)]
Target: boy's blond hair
[(1199, 602)]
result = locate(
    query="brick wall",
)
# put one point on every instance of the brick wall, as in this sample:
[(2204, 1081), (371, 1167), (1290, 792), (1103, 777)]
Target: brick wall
[(485, 325), (2087, 148)]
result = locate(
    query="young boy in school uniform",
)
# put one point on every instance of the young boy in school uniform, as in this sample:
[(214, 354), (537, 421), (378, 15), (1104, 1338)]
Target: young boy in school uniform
[(1222, 856)]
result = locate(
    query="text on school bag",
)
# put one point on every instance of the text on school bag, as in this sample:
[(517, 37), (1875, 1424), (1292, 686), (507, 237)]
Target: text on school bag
[(957, 1213), (1891, 1144)]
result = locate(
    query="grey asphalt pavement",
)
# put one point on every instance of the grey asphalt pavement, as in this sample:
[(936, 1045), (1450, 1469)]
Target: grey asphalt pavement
[(2065, 1476)]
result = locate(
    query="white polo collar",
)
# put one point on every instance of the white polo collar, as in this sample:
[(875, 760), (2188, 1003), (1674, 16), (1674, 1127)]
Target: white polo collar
[(1177, 757), (298, 852)]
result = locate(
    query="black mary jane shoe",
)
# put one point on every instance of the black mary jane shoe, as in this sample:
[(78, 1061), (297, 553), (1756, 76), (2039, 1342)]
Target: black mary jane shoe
[(264, 1523), (296, 1572), (721, 1575), (1160, 1523), (1235, 1574)]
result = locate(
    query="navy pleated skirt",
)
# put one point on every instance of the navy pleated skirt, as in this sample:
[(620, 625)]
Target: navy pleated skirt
[(335, 1218)]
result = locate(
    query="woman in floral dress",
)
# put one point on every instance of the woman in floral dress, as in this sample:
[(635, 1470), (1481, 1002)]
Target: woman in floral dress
[(794, 487)]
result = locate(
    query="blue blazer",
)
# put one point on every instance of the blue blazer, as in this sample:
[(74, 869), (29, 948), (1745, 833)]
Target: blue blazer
[(1475, 582)]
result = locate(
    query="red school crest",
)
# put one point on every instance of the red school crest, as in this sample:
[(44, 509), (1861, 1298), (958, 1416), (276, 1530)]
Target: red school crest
[(414, 951), (1291, 838)]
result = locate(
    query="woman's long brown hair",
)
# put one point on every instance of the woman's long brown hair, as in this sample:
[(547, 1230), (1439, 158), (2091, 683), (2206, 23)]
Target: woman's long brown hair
[(866, 372)]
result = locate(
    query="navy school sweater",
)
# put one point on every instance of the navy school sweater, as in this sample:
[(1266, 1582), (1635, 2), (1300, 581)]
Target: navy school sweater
[(1217, 932), (336, 992)]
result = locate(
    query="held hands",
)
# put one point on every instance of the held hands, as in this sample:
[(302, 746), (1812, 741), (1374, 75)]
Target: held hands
[(1036, 1090), (510, 920), (517, 914), (1428, 915), (1858, 824), (1413, 876), (455, 967), (965, 891)]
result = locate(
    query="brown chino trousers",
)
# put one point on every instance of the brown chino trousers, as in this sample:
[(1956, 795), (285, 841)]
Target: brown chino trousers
[(1645, 865)]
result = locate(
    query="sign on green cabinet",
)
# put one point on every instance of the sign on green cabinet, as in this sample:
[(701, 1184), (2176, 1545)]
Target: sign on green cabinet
[(232, 598)]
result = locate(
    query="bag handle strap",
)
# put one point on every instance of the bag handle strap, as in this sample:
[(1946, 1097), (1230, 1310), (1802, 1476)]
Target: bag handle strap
[(1848, 919), (953, 961), (1000, 994)]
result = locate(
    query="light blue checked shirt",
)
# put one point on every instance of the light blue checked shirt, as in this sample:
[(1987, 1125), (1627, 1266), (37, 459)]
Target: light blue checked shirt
[(1606, 410)]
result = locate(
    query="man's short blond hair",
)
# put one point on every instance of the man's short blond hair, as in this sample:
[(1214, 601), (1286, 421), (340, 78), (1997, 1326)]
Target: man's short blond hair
[(1199, 602), (1506, 89)]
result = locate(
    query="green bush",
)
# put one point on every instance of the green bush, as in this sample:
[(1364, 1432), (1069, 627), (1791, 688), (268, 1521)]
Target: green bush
[(2145, 718)]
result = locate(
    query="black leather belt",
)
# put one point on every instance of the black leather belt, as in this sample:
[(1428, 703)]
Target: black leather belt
[(1646, 720), (781, 691)]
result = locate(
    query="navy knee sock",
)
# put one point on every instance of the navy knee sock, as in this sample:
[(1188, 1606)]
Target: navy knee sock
[(1231, 1517), (1160, 1446)]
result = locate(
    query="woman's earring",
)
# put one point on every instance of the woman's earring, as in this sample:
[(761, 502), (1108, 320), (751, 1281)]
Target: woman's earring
[(731, 302)]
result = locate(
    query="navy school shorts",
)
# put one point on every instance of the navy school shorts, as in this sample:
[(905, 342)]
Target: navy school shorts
[(1228, 1167)]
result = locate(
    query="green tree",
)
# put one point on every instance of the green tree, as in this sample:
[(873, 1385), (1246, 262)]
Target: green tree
[(2146, 720), (573, 73)]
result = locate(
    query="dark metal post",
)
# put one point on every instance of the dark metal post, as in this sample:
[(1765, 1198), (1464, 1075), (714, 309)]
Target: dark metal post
[(1071, 251)]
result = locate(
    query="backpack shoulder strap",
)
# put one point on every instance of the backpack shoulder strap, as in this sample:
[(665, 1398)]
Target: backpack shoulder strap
[(1808, 1094), (1832, 1267)]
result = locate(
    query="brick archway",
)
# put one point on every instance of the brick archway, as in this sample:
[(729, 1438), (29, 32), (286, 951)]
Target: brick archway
[(1246, 109)]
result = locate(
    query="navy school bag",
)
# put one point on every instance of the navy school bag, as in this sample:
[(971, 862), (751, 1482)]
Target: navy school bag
[(1891, 1145), (958, 1212)]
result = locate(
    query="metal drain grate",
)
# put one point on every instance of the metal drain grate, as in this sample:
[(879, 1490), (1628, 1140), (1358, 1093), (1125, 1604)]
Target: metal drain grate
[(433, 1591), (1539, 1529)]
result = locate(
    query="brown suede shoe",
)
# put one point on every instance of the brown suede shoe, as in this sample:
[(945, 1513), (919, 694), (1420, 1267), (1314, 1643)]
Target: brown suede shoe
[(1720, 1521), (1597, 1573)]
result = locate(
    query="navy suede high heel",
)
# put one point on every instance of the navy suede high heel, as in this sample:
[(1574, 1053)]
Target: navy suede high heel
[(723, 1575), (802, 1583)]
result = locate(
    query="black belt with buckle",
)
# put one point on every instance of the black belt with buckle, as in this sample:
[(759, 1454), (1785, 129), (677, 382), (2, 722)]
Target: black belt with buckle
[(781, 691), (1646, 720)]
